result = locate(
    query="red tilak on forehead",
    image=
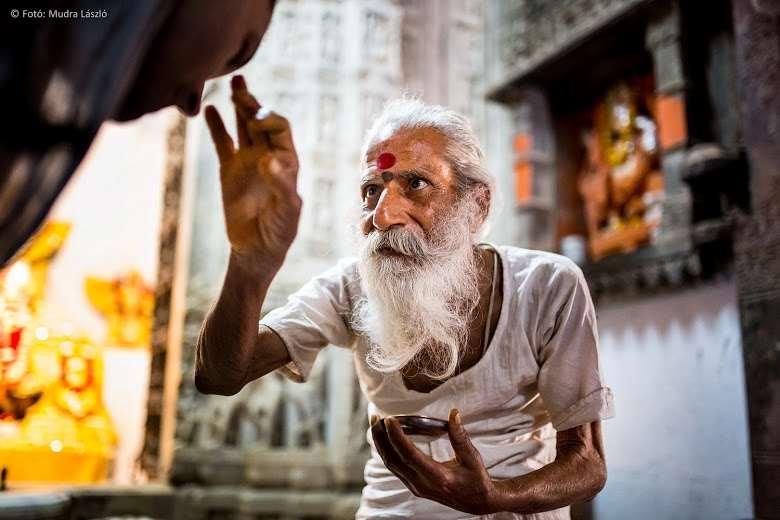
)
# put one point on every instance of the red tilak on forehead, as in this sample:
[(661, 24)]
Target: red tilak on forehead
[(385, 160)]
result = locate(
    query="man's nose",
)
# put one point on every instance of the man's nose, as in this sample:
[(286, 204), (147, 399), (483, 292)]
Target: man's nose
[(189, 100), (390, 210)]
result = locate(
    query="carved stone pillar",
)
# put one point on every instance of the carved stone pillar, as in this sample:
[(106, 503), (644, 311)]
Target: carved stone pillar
[(159, 388), (663, 41), (443, 54), (757, 248), (534, 212)]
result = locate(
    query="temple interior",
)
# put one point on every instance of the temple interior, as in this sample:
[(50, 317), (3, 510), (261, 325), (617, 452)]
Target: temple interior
[(634, 137)]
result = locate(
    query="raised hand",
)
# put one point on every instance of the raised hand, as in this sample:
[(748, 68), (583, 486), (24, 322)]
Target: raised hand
[(259, 180), (462, 483)]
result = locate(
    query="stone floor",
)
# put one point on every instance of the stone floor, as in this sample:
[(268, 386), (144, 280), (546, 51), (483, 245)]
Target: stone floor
[(183, 503)]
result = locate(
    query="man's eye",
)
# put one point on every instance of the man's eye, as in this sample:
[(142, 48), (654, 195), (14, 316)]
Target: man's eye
[(418, 183)]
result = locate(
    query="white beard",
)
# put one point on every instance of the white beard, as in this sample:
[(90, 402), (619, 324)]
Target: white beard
[(421, 301)]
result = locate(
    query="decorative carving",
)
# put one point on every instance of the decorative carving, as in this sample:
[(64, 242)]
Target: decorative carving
[(322, 232), (371, 107), (757, 250), (169, 233), (330, 39), (327, 119), (376, 38), (532, 31), (618, 276)]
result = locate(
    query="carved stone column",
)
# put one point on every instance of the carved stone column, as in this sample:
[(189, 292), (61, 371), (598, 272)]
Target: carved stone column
[(663, 41), (150, 458), (757, 248)]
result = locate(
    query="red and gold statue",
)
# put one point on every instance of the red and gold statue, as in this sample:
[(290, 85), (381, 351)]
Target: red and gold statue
[(53, 425), (22, 285), (620, 182), (68, 435)]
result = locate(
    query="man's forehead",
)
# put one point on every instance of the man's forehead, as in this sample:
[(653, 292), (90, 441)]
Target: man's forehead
[(372, 172), (418, 147)]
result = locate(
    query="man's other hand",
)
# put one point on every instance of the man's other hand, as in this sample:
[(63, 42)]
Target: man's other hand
[(462, 483), (259, 180)]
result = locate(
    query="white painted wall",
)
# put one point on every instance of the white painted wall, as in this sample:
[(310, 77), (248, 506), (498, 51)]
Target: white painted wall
[(114, 203), (678, 445)]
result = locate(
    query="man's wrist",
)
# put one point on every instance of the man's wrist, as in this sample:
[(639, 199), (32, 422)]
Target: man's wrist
[(253, 269), (497, 502), (508, 496)]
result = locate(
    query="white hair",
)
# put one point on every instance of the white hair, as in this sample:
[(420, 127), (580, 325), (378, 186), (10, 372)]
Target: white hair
[(463, 151)]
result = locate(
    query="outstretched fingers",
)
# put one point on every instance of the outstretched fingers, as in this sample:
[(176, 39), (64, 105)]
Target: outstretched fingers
[(465, 452), (272, 128), (383, 446), (389, 456), (418, 461), (246, 107), (223, 143)]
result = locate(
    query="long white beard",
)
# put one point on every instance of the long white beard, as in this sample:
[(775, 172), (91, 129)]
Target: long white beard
[(421, 301)]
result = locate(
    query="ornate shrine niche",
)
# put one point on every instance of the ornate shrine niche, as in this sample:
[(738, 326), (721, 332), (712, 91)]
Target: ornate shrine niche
[(608, 176), (643, 172)]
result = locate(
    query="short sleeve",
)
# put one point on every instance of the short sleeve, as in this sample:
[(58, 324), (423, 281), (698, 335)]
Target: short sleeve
[(313, 317), (569, 380)]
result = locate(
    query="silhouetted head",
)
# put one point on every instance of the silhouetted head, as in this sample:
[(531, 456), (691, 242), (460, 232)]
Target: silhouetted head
[(201, 40)]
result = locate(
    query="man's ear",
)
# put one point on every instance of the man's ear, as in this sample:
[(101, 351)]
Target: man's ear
[(482, 198)]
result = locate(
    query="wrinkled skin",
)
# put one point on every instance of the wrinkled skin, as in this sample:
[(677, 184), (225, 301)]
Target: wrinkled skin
[(463, 483), (261, 206), (258, 179)]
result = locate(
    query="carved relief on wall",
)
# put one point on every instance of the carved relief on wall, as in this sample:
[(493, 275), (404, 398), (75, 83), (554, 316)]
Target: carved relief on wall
[(271, 412), (376, 41), (620, 180), (533, 30), (324, 219), (371, 105), (327, 119), (467, 64), (330, 39), (513, 40)]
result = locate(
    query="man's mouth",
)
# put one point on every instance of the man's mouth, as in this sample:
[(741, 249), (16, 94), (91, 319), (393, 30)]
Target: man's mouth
[(388, 251)]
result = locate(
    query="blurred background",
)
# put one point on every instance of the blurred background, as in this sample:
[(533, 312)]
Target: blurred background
[(637, 137)]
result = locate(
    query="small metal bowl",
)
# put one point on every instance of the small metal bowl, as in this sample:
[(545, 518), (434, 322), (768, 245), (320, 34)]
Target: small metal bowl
[(421, 425)]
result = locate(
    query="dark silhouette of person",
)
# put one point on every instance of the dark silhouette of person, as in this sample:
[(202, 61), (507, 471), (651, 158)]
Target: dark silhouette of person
[(66, 66)]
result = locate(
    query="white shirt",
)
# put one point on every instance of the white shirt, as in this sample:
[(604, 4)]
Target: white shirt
[(539, 374)]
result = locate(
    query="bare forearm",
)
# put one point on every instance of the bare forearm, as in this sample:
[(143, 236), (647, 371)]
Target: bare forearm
[(577, 474), (228, 338), (565, 481)]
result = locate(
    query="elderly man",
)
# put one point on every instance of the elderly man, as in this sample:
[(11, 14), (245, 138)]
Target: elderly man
[(500, 340)]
